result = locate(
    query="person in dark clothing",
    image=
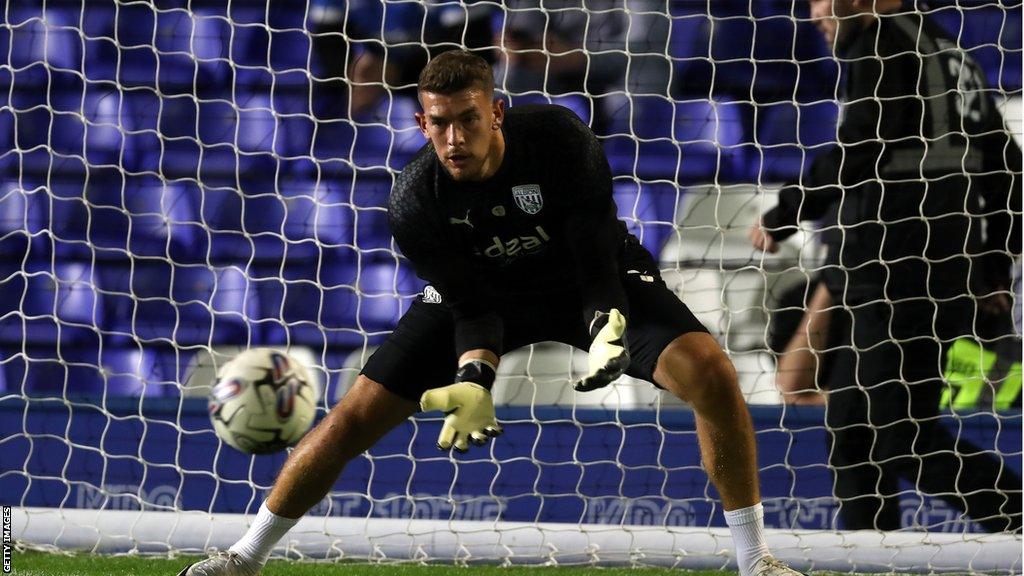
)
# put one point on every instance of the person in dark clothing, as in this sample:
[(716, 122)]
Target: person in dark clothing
[(510, 217), (923, 159)]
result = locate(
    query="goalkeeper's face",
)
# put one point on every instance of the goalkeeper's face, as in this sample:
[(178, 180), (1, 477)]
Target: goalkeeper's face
[(465, 128)]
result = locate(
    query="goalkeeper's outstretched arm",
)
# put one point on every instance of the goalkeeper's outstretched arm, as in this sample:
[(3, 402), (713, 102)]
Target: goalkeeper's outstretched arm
[(590, 230)]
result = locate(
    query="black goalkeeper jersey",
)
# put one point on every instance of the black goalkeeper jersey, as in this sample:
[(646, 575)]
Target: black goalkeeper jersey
[(922, 158), (543, 225)]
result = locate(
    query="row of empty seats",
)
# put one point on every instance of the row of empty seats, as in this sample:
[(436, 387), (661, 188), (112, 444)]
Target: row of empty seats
[(330, 303), (139, 371), (112, 220), (755, 47), (186, 223), (255, 139)]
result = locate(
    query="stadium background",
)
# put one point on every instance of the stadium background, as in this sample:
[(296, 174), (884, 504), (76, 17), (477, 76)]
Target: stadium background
[(174, 182)]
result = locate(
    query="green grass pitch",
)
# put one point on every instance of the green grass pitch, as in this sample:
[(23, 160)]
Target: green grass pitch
[(31, 563)]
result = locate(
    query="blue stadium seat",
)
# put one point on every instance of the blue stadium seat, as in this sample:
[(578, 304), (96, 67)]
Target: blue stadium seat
[(316, 307), (155, 219), (41, 371), (689, 46), (373, 145), (55, 42), (399, 112), (98, 20), (225, 220), (711, 136), (369, 199), (68, 224), (648, 211), (316, 218), (295, 222), (257, 126), (174, 366), (331, 143), (88, 123), (174, 50), (22, 217), (790, 136), (776, 66), (268, 54), (31, 132), (690, 141), (113, 216), (55, 303), (164, 138), (250, 44), (133, 61), (386, 138), (131, 372), (386, 289), (298, 222), (6, 123), (66, 135), (290, 50), (732, 43), (642, 142), (341, 369), (580, 105), (48, 372), (161, 303), (238, 139), (295, 123), (141, 113)]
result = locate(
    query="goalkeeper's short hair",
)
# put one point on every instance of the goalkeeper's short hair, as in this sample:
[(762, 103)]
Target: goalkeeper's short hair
[(454, 71)]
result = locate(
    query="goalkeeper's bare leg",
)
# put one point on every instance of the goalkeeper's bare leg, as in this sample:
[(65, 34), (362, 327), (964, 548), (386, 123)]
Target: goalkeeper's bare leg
[(366, 413), (695, 368)]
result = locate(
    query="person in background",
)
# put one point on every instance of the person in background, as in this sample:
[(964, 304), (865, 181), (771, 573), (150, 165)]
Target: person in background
[(923, 157), (799, 336)]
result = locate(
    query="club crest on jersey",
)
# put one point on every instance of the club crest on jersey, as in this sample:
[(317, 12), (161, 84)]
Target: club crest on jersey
[(528, 198)]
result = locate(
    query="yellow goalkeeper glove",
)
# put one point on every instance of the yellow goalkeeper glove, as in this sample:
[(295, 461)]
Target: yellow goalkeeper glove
[(468, 406), (609, 357)]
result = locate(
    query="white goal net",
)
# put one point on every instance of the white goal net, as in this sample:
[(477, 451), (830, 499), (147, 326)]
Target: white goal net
[(182, 180)]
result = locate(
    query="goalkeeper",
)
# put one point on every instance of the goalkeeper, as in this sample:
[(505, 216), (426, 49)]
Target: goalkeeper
[(923, 157), (510, 217)]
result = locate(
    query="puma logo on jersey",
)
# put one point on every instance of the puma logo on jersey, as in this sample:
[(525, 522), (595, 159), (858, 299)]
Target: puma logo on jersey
[(464, 221), (507, 248), (431, 295)]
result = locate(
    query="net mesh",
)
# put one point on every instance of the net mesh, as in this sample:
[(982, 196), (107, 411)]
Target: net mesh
[(183, 180)]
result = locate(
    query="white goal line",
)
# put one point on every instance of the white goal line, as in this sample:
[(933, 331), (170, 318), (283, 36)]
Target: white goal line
[(379, 539)]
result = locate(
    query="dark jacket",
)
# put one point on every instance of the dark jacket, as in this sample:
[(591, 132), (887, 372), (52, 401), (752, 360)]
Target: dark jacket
[(922, 158)]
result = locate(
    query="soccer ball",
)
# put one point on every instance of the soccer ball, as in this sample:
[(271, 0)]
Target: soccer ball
[(263, 401)]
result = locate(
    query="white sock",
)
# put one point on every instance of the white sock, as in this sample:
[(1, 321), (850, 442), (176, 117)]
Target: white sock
[(262, 536), (747, 527)]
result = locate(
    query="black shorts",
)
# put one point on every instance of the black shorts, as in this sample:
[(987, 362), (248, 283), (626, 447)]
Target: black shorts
[(420, 353)]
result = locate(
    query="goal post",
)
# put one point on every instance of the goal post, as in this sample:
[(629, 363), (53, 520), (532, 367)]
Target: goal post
[(180, 181)]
